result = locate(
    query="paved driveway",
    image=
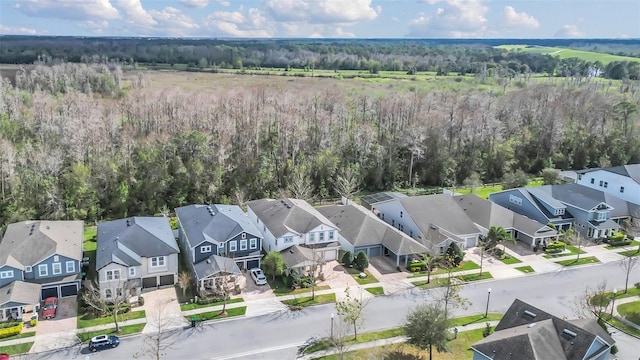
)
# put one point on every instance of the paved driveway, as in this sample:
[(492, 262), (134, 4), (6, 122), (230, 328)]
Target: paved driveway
[(162, 310), (59, 331), (251, 291)]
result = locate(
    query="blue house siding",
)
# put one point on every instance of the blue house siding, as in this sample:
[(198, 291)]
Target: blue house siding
[(49, 265), (200, 255), (17, 275), (239, 251)]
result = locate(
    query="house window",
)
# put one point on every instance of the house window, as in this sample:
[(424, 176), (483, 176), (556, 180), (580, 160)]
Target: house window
[(400, 213), (601, 182), (288, 240), (253, 243), (57, 268), (593, 180), (330, 235), (621, 189), (321, 236), (244, 235), (56, 258), (205, 248), (132, 271), (606, 184), (27, 269), (71, 266), (43, 270), (515, 199), (157, 261), (312, 237), (113, 275), (108, 294), (393, 223), (233, 245), (6, 274), (243, 244)]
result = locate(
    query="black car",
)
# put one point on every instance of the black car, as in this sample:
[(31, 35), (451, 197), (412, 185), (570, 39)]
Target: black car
[(102, 342)]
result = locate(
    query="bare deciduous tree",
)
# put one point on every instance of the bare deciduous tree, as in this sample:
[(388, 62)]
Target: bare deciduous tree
[(628, 264), (348, 181), (300, 186), (113, 305), (184, 281), (592, 303), (159, 339)]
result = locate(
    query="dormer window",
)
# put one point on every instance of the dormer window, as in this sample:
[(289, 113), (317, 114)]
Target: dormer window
[(27, 269), (244, 235)]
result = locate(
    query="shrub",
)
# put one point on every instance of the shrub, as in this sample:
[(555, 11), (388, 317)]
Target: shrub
[(347, 259), (362, 261), (211, 300), (555, 247), (454, 254), (33, 322), (487, 330), (140, 301), (14, 329)]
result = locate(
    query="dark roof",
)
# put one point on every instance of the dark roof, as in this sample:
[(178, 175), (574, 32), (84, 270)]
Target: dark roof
[(486, 214), (534, 334), (632, 171), (288, 215), (125, 241), (584, 196), (297, 256), (361, 227), (214, 223), (216, 264), (27, 243), (440, 210), (372, 199)]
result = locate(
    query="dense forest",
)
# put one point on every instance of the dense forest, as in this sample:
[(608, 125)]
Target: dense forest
[(89, 141), (460, 56)]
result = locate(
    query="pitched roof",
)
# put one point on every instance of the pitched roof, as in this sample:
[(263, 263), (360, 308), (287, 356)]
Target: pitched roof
[(216, 264), (632, 171), (534, 334), (126, 241), (19, 293), (377, 198), (297, 256), (438, 210), (361, 227), (585, 196), (486, 214), (288, 215), (214, 223), (27, 243)]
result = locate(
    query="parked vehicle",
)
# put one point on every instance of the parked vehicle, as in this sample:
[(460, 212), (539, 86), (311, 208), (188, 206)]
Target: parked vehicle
[(4, 356), (50, 307), (258, 276), (102, 342)]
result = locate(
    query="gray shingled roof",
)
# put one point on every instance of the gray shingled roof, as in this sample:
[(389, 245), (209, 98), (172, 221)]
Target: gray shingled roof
[(361, 227), (632, 171), (214, 223), (486, 214), (27, 243), (19, 293), (125, 241), (216, 264), (298, 256), (587, 198), (288, 215), (534, 334), (440, 210)]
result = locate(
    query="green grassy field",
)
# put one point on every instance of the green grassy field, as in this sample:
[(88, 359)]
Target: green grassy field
[(566, 53), (84, 321), (377, 290)]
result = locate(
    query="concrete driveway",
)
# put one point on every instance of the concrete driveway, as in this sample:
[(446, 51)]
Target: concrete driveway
[(251, 291), (59, 331), (162, 310)]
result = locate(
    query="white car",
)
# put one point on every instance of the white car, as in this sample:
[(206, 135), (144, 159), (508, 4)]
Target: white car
[(258, 276)]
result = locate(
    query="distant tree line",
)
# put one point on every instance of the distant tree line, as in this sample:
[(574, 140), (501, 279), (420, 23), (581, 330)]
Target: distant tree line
[(441, 55), (75, 144)]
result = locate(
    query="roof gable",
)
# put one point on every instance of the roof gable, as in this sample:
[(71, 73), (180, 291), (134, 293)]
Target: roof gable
[(438, 210), (288, 215)]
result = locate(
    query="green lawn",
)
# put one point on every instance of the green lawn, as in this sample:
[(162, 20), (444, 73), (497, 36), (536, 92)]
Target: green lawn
[(83, 322), (465, 265), (19, 336), (280, 290), (211, 315), (186, 307), (89, 238), (124, 330), (475, 277), (370, 279), (628, 253), (378, 290), (16, 349), (631, 307), (581, 261), (362, 338), (307, 301), (620, 325), (572, 251), (634, 243), (526, 269), (484, 191), (631, 291), (510, 260), (443, 281)]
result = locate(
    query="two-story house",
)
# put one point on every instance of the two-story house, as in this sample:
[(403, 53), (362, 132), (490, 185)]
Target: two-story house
[(486, 214), (433, 220), (134, 254), (217, 240), (529, 333), (621, 181), (47, 253), (288, 222)]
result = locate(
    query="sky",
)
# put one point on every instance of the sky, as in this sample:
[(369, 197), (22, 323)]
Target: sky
[(324, 18)]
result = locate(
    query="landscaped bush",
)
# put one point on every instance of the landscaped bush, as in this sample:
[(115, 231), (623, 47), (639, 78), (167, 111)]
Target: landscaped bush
[(347, 258), (417, 266), (555, 247), (140, 301), (454, 254), (362, 261), (211, 300), (10, 329)]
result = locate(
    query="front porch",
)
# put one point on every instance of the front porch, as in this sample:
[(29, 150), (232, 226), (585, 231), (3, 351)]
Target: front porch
[(601, 230), (18, 298), (217, 275)]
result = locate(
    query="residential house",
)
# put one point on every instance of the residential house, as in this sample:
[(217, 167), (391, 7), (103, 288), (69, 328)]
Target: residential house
[(302, 260), (362, 231), (528, 333), (621, 181), (585, 209), (435, 221), (134, 254), (18, 297), (47, 253), (288, 222), (486, 214), (217, 240)]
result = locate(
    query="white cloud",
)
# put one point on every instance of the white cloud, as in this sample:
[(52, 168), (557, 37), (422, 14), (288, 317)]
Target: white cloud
[(241, 23), (331, 32), (69, 9), (96, 27), (569, 31), (200, 4), (322, 11), (13, 30), (135, 14), (173, 22), (513, 19), (455, 18)]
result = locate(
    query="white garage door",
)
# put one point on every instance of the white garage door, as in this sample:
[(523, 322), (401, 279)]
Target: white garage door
[(330, 255)]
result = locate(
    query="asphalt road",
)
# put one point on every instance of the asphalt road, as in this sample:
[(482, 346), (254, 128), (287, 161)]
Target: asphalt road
[(278, 335)]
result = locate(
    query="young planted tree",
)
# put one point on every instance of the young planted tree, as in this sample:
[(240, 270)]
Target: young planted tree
[(571, 237), (429, 262), (427, 327), (362, 261), (593, 303), (157, 341), (273, 264), (450, 294), (454, 255), (184, 282), (113, 305), (350, 309), (347, 259), (495, 236), (628, 264)]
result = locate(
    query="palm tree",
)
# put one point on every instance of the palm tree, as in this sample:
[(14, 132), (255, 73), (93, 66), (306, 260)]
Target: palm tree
[(496, 235)]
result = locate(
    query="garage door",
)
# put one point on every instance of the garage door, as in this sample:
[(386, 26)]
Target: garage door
[(330, 255), (253, 264), (166, 280), (374, 251), (49, 292), (69, 290), (149, 282)]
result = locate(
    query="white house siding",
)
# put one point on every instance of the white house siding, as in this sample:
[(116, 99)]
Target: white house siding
[(317, 231), (346, 245), (614, 182), (390, 211), (142, 271)]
